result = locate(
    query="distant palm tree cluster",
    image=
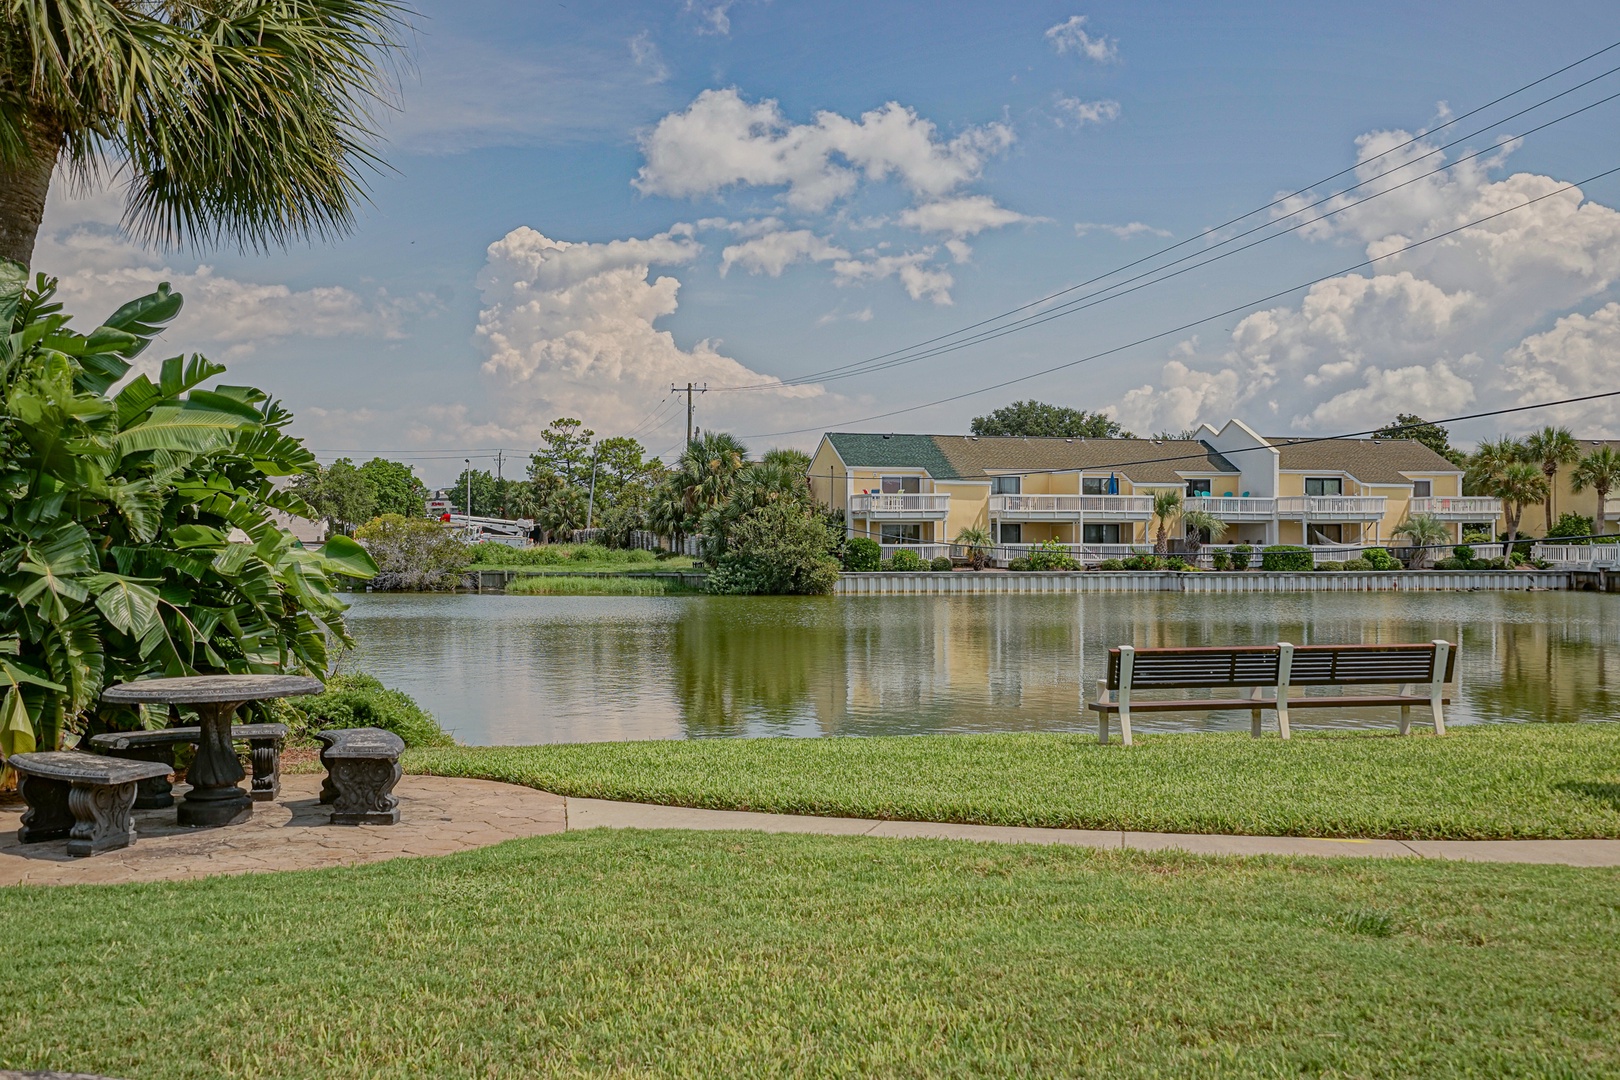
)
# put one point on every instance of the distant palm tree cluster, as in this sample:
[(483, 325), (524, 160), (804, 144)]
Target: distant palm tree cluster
[(1523, 472)]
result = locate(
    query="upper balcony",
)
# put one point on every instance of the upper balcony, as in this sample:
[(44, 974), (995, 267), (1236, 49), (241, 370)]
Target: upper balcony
[(1233, 508), (929, 507), (1331, 507), (1071, 508), (1458, 508)]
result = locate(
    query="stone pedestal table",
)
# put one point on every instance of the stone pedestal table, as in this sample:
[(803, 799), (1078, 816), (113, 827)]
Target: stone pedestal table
[(216, 797)]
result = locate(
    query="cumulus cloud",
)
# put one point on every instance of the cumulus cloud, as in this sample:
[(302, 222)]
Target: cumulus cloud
[(570, 329), (1080, 113), (1071, 36), (967, 215), (921, 281), (721, 140), (1124, 232), (774, 252), (1436, 330), (227, 318)]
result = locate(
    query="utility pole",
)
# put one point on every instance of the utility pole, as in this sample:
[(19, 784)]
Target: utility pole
[(500, 482), (690, 390), (468, 462)]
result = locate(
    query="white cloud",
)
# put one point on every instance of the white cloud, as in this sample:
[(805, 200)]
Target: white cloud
[(714, 16), (967, 215), (751, 227), (961, 251), (1070, 36), (919, 280), (721, 140), (1080, 113), (1438, 330), (862, 316), (1124, 232), (100, 269), (775, 252), (644, 54), (568, 329)]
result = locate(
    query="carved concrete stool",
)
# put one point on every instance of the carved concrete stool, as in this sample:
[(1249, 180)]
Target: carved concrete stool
[(264, 746), (362, 767), (84, 797)]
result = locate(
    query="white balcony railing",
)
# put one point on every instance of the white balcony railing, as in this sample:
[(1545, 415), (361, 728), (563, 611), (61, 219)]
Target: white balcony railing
[(1072, 507), (1084, 554), (1234, 508), (900, 506), (925, 552), (1579, 556), (1458, 508), (1331, 507)]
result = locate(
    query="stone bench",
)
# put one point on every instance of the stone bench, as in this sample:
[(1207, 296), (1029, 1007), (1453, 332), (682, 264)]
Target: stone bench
[(264, 747), (84, 797), (362, 767)]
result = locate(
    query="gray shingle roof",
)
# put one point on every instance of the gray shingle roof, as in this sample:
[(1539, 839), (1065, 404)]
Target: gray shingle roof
[(952, 457), (865, 451), (1372, 461)]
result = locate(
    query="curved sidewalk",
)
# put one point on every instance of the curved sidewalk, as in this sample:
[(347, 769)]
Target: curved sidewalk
[(597, 813)]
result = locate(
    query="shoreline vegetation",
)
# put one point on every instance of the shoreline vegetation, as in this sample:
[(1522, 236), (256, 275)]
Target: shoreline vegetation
[(1480, 782)]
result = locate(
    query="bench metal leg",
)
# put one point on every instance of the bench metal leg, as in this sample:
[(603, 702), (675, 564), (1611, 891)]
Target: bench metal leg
[(47, 816), (1406, 710), (266, 755), (1102, 717), (101, 819), (1254, 714), (363, 789)]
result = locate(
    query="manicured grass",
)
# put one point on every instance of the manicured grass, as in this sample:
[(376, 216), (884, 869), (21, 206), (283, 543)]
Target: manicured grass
[(578, 585), (1485, 782), (679, 954)]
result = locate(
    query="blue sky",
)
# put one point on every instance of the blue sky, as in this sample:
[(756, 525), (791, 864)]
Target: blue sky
[(760, 189)]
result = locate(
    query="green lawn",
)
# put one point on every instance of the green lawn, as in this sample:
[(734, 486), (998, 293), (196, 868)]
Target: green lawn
[(1484, 782), (708, 955)]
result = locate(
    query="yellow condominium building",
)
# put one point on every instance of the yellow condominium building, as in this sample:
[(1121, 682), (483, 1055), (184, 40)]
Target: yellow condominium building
[(1095, 496)]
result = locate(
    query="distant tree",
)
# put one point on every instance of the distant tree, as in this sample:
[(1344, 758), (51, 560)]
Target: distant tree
[(565, 449), (1552, 448), (1036, 418), (1167, 507), (1417, 429), (1489, 461), (797, 460), (781, 548), (395, 487), (1600, 471), (1184, 435), (413, 554), (486, 493), (340, 493)]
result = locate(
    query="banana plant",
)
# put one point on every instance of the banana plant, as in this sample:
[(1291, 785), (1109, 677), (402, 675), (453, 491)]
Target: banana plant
[(118, 509)]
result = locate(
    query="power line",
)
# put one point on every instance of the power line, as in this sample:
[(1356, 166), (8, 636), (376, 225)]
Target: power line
[(1244, 216), (1195, 322), (1114, 291)]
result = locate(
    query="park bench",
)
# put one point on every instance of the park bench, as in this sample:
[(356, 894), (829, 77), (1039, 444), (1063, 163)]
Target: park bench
[(84, 797), (1280, 668), (362, 767), (264, 749)]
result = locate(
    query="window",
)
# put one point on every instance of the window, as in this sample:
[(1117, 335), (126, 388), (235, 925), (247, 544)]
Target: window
[(902, 485), (1101, 534), (1006, 485), (1324, 485), (902, 534), (1094, 485), (1422, 489), (1011, 534), (1197, 488)]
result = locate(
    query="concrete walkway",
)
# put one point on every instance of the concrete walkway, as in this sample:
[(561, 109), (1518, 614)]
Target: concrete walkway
[(596, 813), (441, 815)]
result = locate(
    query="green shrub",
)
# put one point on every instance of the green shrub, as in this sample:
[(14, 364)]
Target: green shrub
[(1463, 552), (1142, 561), (1110, 564), (1474, 536), (1571, 525), (1242, 555), (1050, 556), (1329, 567), (942, 563), (779, 549), (1019, 563), (1492, 564), (1175, 562), (1379, 559), (906, 560), (1453, 563), (1359, 564), (1221, 560), (358, 700), (1286, 558), (413, 554), (637, 555), (863, 555)]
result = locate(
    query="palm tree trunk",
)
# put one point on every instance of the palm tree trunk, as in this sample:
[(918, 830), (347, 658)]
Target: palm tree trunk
[(1552, 475), (22, 192), (1602, 519)]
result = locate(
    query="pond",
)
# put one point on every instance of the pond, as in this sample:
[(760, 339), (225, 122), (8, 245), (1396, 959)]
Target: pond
[(499, 669)]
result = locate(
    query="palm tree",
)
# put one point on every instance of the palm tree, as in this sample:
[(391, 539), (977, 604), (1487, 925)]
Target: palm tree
[(1600, 471), (1166, 507), (1552, 447), (1518, 485), (978, 542), (239, 120), (1488, 461), (1196, 523), (1424, 530), (707, 469)]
